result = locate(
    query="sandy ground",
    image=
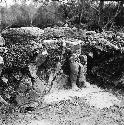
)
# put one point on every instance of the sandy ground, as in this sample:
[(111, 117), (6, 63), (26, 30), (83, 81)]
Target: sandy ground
[(93, 95), (88, 106)]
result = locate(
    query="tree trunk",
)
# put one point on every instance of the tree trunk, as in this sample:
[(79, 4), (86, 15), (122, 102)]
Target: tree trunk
[(81, 9), (101, 4)]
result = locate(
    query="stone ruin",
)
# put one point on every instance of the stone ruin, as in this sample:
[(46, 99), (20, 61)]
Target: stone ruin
[(46, 54)]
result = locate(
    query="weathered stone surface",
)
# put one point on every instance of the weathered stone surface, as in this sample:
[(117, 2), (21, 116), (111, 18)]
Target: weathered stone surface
[(22, 46), (62, 49), (59, 55), (25, 33), (2, 41)]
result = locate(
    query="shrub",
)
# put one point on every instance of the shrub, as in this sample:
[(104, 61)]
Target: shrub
[(47, 15)]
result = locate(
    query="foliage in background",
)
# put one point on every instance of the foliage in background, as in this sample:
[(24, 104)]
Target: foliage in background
[(48, 15), (109, 11), (15, 16), (77, 13), (43, 14)]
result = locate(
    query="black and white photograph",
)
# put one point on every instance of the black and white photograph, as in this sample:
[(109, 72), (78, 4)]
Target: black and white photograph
[(61, 62)]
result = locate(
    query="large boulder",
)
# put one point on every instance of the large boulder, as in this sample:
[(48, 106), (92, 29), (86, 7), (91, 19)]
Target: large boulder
[(58, 62), (21, 36), (21, 46)]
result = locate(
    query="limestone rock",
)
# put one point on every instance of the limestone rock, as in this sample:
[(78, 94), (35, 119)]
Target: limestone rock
[(51, 47)]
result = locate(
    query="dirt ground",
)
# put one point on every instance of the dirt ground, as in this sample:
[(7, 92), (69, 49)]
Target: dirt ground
[(89, 106)]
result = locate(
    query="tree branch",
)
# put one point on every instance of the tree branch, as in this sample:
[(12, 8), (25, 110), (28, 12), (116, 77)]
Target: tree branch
[(120, 6)]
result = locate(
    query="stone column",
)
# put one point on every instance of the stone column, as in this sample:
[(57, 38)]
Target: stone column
[(74, 71), (83, 72)]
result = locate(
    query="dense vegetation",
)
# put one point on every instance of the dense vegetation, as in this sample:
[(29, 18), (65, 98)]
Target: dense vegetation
[(84, 14)]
